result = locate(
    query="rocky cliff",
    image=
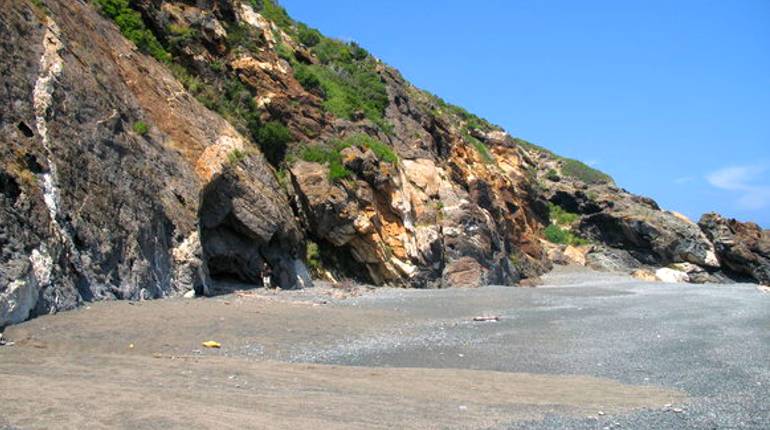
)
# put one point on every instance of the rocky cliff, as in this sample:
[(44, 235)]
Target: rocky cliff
[(150, 146)]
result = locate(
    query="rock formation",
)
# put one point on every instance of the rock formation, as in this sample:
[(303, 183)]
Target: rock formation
[(224, 135), (743, 248)]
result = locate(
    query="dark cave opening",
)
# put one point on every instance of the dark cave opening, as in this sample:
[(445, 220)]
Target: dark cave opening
[(230, 250)]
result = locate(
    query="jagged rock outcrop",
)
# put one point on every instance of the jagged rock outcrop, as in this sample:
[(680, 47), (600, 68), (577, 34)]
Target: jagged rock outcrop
[(628, 231), (743, 248)]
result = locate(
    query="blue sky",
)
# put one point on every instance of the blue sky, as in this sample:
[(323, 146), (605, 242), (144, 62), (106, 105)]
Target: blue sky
[(672, 98)]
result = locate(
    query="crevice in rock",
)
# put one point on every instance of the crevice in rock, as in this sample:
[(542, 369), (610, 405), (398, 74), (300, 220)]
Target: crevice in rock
[(9, 187), (25, 130)]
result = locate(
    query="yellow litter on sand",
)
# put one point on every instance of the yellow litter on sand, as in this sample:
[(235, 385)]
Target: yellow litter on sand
[(211, 344)]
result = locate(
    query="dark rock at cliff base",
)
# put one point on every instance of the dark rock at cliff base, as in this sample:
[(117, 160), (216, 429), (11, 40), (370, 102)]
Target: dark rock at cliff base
[(742, 247), (106, 165)]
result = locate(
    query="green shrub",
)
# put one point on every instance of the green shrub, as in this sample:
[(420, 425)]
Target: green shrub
[(313, 256), (380, 149), (351, 88), (217, 66), (552, 175), (235, 156), (328, 156), (332, 51), (309, 37), (482, 149), (579, 170), (40, 6), (357, 52), (132, 26), (273, 138), (241, 35), (180, 36), (140, 128), (561, 216), (272, 11), (556, 234), (307, 78), (284, 52)]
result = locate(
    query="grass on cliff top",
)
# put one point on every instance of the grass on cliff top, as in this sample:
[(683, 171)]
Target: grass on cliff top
[(579, 170)]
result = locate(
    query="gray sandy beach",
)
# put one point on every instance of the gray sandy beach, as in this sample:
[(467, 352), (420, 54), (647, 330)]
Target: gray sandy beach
[(586, 350)]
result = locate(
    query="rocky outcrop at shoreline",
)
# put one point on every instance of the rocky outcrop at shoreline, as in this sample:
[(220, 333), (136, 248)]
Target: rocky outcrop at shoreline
[(250, 138)]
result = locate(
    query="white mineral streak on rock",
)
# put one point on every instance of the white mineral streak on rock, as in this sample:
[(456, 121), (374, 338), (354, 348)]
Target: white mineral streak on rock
[(42, 265), (21, 295), (50, 68)]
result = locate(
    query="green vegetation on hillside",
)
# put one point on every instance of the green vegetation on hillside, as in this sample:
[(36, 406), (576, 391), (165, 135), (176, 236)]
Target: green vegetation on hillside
[(560, 229), (133, 28), (235, 156), (556, 234), (273, 138), (346, 76), (561, 216), (381, 150), (579, 170), (219, 91), (347, 80), (140, 128), (482, 149), (330, 153), (309, 37)]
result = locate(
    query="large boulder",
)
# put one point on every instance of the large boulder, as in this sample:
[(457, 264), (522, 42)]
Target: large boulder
[(652, 236), (742, 247)]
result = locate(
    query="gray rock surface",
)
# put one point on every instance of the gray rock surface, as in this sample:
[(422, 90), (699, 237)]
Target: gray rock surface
[(743, 248)]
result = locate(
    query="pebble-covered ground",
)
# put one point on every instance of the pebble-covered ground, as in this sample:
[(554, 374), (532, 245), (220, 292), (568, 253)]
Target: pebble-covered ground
[(584, 351)]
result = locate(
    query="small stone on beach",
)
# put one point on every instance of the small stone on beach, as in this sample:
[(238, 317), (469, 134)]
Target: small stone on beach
[(486, 318)]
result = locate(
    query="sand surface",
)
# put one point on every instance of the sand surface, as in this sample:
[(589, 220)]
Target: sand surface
[(388, 358)]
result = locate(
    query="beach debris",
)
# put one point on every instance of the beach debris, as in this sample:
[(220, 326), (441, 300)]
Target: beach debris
[(484, 318), (600, 413), (130, 346), (763, 289), (4, 341), (211, 344)]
